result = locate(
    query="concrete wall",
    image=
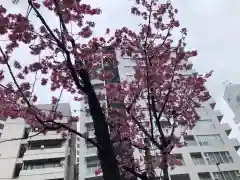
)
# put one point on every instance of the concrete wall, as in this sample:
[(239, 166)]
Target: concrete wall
[(13, 128)]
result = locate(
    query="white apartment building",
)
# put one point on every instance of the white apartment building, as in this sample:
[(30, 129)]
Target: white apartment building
[(208, 155), (27, 156), (232, 97)]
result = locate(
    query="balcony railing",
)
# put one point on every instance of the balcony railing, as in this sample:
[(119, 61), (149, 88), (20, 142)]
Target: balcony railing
[(91, 134), (191, 143), (91, 151), (91, 171)]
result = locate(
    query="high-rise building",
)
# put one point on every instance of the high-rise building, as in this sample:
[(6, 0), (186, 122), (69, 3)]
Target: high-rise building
[(208, 153), (27, 154), (232, 97)]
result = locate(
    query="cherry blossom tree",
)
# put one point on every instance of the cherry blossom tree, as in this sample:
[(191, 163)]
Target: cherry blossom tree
[(161, 91)]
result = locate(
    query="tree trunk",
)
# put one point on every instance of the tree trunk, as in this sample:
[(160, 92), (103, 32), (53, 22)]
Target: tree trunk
[(106, 155), (149, 161), (165, 173), (165, 167)]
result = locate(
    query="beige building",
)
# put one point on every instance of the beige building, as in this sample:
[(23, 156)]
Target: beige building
[(36, 157)]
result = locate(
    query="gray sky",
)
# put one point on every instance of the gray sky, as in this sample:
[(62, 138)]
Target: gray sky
[(213, 29)]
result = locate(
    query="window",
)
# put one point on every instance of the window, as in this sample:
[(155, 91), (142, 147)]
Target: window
[(101, 96), (238, 99), (22, 150), (17, 170), (40, 164), (204, 176), (78, 145), (89, 145), (204, 125), (221, 157), (26, 133), (92, 162), (92, 166), (87, 112), (190, 141), (90, 130), (180, 158), (227, 175), (46, 144), (3, 118), (77, 159), (209, 140), (197, 158), (180, 177), (78, 152), (98, 86), (90, 126), (1, 126)]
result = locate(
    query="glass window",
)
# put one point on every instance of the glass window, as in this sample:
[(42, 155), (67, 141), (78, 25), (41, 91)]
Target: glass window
[(218, 176), (218, 157), (92, 163), (226, 175), (46, 144), (221, 157), (212, 158), (197, 158), (189, 140), (238, 99), (180, 158), (234, 175), (204, 176), (40, 164), (209, 140), (204, 125)]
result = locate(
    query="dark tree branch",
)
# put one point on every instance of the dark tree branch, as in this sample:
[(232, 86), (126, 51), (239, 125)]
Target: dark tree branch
[(62, 46), (15, 139), (144, 130)]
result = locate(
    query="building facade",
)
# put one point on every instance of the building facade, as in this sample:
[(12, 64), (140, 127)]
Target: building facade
[(232, 97), (26, 154), (208, 153)]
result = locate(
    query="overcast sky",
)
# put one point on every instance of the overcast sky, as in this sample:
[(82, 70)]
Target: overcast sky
[(213, 29)]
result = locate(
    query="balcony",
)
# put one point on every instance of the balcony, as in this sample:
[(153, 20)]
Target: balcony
[(96, 81), (226, 128), (219, 115), (49, 135), (212, 103), (52, 168), (89, 120), (90, 173), (235, 143), (19, 161), (45, 153), (91, 134), (45, 173), (91, 152)]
